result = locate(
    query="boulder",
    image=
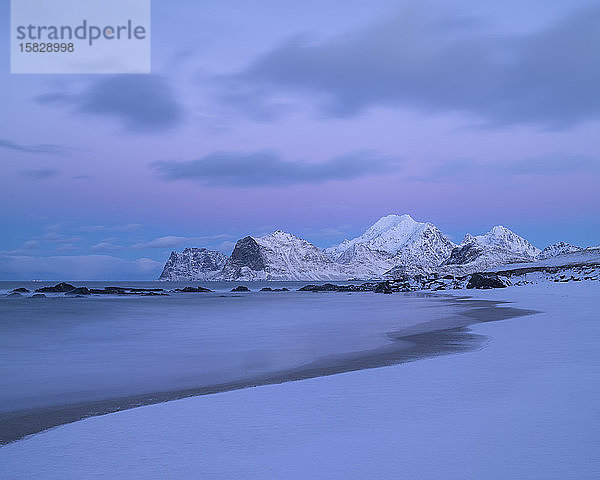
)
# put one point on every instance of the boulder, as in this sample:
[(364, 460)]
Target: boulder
[(79, 291), (61, 287), (193, 289), (330, 287), (142, 290), (240, 288), (327, 287), (485, 280), (38, 295), (383, 287), (20, 290), (110, 291)]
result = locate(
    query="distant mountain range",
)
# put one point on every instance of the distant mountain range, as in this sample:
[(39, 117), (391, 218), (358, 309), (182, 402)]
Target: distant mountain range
[(394, 245)]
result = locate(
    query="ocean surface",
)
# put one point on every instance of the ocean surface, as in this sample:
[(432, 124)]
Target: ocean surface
[(59, 350)]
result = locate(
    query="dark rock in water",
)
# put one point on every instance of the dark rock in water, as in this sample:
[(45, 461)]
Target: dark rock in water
[(79, 291), (14, 294), (283, 289), (142, 290), (266, 289), (485, 280), (240, 288), (327, 287), (193, 289), (108, 291), (38, 295), (330, 287), (383, 287), (20, 290), (61, 287), (111, 291)]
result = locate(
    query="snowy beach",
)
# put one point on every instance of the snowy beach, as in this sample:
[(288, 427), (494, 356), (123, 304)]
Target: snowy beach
[(523, 406)]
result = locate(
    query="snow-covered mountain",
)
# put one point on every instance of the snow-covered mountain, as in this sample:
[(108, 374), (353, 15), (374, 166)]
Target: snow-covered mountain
[(559, 248), (280, 256), (502, 237), (193, 264), (365, 263), (499, 246), (395, 240), (395, 245)]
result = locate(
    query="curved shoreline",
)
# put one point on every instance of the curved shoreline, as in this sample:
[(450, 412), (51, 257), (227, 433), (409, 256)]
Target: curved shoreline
[(406, 346)]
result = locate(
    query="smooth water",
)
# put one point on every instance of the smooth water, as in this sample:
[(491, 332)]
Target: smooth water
[(60, 350)]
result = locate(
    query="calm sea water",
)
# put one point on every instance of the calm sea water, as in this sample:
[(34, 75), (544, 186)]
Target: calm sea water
[(61, 350)]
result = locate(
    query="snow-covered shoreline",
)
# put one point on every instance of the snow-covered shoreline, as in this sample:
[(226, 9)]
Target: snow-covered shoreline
[(523, 407)]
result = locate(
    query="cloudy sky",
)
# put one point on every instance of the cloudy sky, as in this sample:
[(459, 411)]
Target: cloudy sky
[(316, 117)]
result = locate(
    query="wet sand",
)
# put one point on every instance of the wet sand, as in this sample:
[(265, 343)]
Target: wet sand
[(422, 341)]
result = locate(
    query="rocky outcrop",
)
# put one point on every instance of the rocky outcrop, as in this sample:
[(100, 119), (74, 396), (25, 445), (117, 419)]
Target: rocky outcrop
[(485, 280), (79, 291), (499, 246), (240, 288), (245, 258), (193, 264), (280, 256), (61, 287), (383, 287), (193, 290), (559, 248)]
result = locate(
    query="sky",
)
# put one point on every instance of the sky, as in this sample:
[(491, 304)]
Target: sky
[(314, 117)]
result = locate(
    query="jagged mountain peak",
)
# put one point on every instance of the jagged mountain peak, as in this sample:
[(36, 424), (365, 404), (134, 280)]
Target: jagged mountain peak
[(193, 264), (280, 239), (498, 246), (468, 238), (402, 237), (388, 234), (558, 248), (393, 241), (503, 237), (390, 225), (280, 256), (191, 249), (500, 230), (279, 234), (390, 221)]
